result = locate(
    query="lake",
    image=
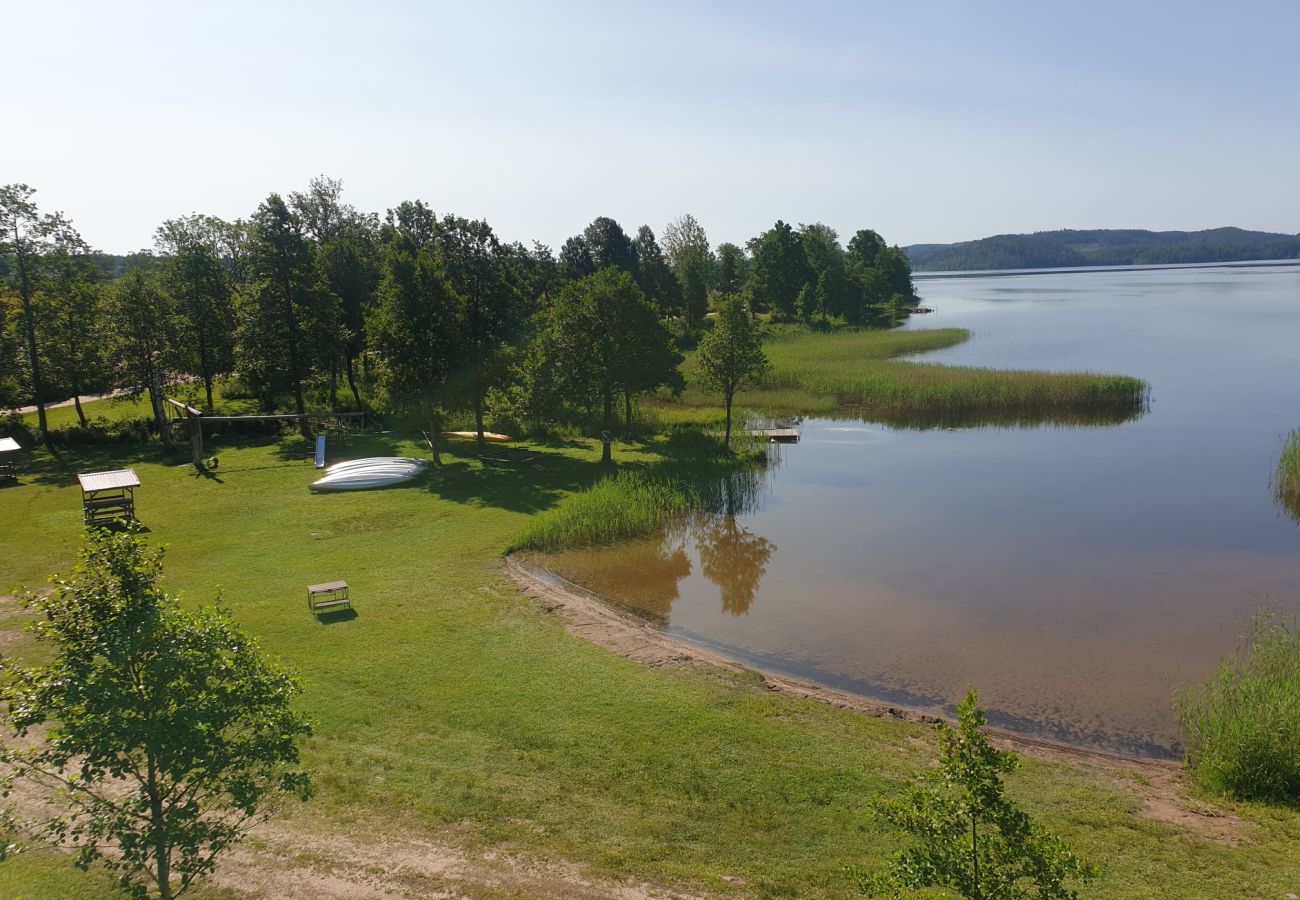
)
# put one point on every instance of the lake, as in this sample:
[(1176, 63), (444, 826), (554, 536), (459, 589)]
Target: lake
[(1074, 575)]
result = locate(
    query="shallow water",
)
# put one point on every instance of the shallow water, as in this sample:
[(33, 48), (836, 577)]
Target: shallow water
[(1073, 575)]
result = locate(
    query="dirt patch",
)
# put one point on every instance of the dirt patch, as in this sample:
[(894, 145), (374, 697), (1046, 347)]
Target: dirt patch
[(287, 863), (1159, 785)]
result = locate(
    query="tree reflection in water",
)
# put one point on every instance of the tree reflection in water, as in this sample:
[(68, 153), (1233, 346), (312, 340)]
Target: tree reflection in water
[(733, 558)]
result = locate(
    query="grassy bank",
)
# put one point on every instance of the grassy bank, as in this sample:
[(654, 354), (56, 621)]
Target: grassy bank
[(865, 373), (451, 705)]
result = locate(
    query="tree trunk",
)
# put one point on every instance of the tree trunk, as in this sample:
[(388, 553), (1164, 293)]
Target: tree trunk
[(350, 371), (159, 415), (606, 448), (300, 408), (207, 386), (29, 325), (727, 439), (627, 408), (334, 388), (478, 417), (81, 413), (975, 857), (435, 431), (162, 852)]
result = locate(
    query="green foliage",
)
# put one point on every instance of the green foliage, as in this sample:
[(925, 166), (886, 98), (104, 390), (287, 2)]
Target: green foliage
[(288, 322), (780, 270), (1241, 726), (622, 506), (604, 341), (968, 835), (731, 354), (1286, 483), (166, 733)]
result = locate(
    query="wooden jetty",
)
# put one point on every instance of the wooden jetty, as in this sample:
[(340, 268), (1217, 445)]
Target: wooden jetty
[(778, 435)]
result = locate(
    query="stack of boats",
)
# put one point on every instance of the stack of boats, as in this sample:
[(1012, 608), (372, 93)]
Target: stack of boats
[(372, 472)]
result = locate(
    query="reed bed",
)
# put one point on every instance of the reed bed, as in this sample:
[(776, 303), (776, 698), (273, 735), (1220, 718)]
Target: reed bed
[(1242, 725), (862, 369), (1286, 483), (616, 508)]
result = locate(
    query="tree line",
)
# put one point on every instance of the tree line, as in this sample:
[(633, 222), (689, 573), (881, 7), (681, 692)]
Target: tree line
[(1104, 247), (410, 312)]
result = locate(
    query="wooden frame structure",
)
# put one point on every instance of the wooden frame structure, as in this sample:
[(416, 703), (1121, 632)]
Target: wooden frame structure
[(10, 454), (195, 419), (108, 496), (327, 596)]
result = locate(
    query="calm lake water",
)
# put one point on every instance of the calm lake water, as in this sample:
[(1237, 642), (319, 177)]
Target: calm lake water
[(1073, 575)]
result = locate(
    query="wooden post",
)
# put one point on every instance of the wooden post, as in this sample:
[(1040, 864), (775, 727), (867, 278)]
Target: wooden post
[(194, 426)]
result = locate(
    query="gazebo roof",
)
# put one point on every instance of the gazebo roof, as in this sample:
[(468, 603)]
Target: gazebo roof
[(106, 481)]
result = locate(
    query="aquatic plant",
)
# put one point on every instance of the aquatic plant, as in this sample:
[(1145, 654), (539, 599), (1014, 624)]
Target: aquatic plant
[(864, 369), (1241, 726), (1286, 483)]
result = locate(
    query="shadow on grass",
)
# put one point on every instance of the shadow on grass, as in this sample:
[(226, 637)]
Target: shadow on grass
[(337, 616)]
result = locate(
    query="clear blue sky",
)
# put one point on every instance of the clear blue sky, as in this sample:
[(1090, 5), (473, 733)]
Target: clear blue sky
[(926, 121)]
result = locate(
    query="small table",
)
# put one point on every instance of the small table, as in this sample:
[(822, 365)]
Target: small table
[(330, 595)]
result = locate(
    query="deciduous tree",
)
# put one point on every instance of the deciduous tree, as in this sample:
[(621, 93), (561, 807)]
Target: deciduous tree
[(969, 836), (171, 733), (731, 355)]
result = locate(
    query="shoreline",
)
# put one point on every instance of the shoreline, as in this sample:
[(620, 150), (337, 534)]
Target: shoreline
[(1158, 784)]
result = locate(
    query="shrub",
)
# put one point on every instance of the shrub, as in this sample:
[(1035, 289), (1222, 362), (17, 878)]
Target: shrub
[(1241, 726)]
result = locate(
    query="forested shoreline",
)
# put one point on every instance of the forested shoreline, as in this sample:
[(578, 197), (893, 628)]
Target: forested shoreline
[(410, 313), (1103, 247)]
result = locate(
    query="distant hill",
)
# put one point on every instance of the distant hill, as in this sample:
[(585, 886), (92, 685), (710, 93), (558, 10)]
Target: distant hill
[(1105, 247)]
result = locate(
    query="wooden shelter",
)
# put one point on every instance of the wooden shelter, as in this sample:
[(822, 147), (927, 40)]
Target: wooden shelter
[(10, 453), (108, 496)]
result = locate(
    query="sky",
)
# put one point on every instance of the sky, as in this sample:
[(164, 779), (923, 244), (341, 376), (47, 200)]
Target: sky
[(927, 121)]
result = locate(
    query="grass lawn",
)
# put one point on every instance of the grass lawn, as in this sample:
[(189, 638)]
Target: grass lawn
[(451, 701)]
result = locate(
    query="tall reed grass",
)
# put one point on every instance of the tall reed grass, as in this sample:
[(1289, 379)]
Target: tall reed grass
[(1286, 483), (863, 369), (1241, 726), (621, 506)]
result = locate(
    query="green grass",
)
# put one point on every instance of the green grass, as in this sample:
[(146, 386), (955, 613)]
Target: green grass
[(1242, 726), (1286, 483), (450, 700), (625, 505)]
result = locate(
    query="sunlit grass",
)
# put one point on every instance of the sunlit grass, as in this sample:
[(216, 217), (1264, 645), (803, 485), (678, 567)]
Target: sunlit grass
[(1242, 725)]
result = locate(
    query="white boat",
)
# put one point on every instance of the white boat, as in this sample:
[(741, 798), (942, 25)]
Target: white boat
[(374, 472)]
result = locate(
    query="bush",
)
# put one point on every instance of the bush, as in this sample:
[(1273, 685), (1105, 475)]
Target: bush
[(1286, 484), (1241, 726)]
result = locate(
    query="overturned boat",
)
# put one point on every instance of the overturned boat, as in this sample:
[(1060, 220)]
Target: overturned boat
[(372, 472)]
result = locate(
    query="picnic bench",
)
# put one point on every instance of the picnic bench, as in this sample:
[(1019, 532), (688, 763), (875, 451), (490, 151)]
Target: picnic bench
[(330, 595), (108, 496)]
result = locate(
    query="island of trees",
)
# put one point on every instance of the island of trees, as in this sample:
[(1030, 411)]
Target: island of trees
[(1106, 247)]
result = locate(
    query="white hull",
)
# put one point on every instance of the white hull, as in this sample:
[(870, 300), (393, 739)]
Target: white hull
[(376, 472)]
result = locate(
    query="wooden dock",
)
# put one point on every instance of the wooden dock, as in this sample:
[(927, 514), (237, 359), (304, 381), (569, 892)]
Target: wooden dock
[(778, 435)]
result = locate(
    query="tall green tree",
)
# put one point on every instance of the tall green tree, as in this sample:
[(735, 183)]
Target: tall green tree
[(732, 268), (348, 268), (161, 735), (415, 329), (604, 339), (198, 280), (480, 274), (694, 273), (74, 342), (288, 323), (682, 237), (26, 236), (145, 350), (731, 355), (609, 245), (780, 270), (654, 276), (968, 836)]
